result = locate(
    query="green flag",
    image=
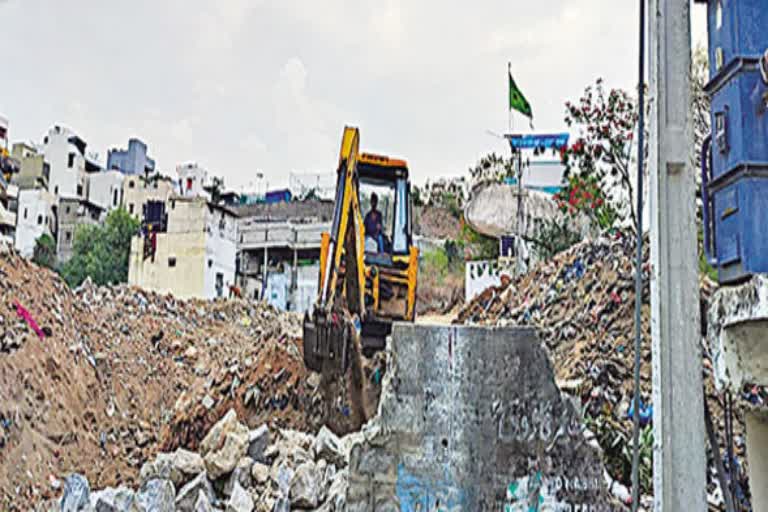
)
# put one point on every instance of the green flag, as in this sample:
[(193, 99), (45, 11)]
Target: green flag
[(516, 99)]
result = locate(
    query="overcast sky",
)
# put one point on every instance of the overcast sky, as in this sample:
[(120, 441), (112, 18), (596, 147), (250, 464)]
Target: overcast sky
[(242, 86)]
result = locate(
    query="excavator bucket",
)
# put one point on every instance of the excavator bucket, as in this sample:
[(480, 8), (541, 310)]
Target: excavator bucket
[(327, 339)]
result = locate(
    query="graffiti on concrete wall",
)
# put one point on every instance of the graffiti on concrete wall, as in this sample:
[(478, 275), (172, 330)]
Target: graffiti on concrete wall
[(517, 421), (536, 494), (417, 494)]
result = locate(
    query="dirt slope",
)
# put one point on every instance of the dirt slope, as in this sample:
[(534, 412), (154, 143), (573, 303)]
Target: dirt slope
[(120, 372)]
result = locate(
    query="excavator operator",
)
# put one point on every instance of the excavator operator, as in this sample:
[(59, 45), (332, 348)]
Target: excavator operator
[(374, 239)]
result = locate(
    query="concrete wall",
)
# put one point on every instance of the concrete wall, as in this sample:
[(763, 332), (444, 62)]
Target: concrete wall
[(470, 419), (34, 218), (136, 193), (105, 189), (32, 168), (199, 244), (64, 179), (192, 178), (481, 275), (183, 277), (133, 160), (220, 252), (71, 214)]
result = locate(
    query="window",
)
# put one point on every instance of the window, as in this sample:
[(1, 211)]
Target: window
[(39, 220), (114, 198), (56, 190), (172, 261), (25, 213), (130, 208), (68, 236), (79, 189), (131, 184), (210, 263), (66, 209), (71, 160), (392, 206)]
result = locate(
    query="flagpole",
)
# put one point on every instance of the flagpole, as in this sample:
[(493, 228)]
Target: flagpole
[(509, 110)]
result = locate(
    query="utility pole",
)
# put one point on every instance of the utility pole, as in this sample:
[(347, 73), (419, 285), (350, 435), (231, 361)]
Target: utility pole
[(679, 463)]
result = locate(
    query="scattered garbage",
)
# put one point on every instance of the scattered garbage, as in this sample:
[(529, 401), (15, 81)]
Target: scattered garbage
[(582, 301)]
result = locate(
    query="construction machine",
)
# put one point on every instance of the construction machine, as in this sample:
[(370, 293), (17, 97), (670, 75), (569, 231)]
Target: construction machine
[(368, 263)]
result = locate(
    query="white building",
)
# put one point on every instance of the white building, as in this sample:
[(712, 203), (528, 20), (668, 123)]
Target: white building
[(105, 189), (35, 217), (193, 256), (192, 180), (65, 153)]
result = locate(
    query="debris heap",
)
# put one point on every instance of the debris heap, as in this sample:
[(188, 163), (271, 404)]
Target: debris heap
[(583, 302), (236, 469), (99, 379)]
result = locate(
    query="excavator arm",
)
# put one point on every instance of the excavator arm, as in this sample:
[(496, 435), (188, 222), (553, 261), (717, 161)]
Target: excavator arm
[(333, 325)]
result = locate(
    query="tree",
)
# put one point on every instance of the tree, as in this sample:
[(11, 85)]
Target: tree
[(102, 252), (45, 251), (492, 167), (601, 156)]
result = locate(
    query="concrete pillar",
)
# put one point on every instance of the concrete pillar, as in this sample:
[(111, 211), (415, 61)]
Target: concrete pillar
[(679, 463), (757, 455), (264, 273)]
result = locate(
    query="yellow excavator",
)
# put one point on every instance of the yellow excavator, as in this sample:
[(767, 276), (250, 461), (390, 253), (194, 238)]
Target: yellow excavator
[(368, 263)]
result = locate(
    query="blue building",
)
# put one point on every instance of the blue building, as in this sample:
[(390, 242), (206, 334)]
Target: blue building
[(133, 160)]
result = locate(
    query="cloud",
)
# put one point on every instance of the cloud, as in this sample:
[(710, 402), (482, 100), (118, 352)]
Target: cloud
[(244, 85)]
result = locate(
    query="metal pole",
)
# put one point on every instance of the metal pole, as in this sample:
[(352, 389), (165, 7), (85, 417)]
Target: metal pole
[(679, 463), (639, 261)]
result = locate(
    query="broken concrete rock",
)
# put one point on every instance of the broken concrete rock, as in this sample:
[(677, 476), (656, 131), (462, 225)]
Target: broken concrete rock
[(77, 494), (241, 475), (203, 504), (240, 501), (113, 500), (258, 440), (187, 498), (327, 446), (305, 486), (222, 461), (260, 473), (217, 435), (156, 495), (179, 467)]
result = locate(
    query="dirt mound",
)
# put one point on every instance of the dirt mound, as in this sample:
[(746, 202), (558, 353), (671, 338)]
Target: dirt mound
[(436, 222), (583, 303), (98, 380)]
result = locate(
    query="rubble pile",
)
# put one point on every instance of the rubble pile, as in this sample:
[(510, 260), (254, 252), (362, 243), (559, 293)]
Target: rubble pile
[(582, 301), (236, 469), (99, 379)]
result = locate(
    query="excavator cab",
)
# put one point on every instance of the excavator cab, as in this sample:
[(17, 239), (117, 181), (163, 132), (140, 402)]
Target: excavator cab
[(368, 263)]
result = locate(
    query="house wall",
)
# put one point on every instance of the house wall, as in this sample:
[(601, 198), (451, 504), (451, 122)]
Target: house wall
[(64, 179), (35, 217), (32, 168), (192, 178), (132, 161), (71, 214), (201, 239), (105, 189), (184, 279), (136, 193)]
